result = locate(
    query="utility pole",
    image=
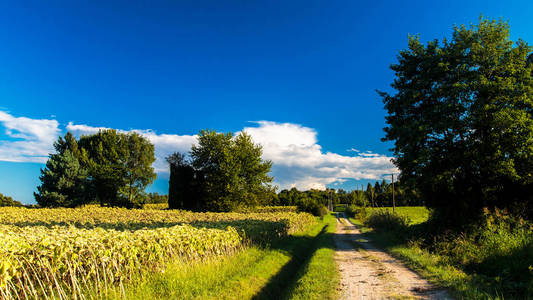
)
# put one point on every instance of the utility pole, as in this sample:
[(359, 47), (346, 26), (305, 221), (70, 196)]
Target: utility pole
[(330, 205), (372, 191), (393, 201), (364, 193)]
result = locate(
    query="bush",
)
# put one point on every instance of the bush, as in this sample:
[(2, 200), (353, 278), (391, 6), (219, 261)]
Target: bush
[(356, 212), (322, 211), (311, 206), (8, 201), (387, 220), (499, 246)]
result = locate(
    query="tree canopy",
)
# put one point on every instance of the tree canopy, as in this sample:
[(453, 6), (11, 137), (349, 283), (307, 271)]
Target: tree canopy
[(461, 120), (108, 167), (224, 172), (64, 180)]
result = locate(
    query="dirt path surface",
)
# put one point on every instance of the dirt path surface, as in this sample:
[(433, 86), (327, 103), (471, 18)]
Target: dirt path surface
[(370, 273)]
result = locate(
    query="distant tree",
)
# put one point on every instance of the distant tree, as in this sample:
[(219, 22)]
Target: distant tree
[(8, 201), (312, 201), (138, 160), (231, 168), (462, 121), (120, 166), (64, 179), (155, 198), (224, 172), (284, 198), (370, 194)]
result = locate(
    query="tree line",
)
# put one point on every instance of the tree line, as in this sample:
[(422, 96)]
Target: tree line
[(9, 201), (377, 195), (109, 168)]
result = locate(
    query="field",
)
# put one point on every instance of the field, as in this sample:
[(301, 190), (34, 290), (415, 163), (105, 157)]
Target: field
[(70, 253), (416, 214)]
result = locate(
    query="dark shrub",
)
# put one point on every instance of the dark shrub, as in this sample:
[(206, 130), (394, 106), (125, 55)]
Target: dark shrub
[(356, 212), (311, 206), (386, 220)]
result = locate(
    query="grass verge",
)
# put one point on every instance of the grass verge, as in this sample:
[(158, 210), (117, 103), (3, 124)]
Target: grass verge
[(319, 278), (459, 264), (299, 266)]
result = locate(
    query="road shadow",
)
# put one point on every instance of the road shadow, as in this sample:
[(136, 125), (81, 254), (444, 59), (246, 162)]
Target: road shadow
[(301, 249)]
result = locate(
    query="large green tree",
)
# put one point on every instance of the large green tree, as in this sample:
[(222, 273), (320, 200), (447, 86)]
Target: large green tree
[(233, 171), (109, 167), (120, 166), (461, 120), (64, 179), (137, 161), (225, 172)]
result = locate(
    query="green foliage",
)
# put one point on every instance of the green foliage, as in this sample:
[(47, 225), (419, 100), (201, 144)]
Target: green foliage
[(311, 201), (354, 211), (378, 195), (225, 173), (312, 206), (416, 214), (499, 246), (120, 166), (492, 258), (64, 180), (8, 201), (155, 198), (109, 167), (462, 121), (387, 220)]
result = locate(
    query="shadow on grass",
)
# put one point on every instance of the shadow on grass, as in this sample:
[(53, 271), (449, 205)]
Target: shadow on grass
[(301, 250), (511, 274)]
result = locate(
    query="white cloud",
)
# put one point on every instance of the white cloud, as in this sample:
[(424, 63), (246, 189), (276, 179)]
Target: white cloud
[(30, 140), (298, 159), (81, 129)]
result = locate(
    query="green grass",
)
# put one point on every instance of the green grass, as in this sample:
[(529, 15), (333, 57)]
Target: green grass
[(300, 266), (320, 277), (416, 214), (488, 261)]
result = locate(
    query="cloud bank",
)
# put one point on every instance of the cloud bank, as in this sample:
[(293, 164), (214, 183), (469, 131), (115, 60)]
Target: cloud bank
[(30, 140), (298, 159)]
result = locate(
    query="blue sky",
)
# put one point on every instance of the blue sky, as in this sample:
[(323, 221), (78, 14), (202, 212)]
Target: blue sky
[(308, 70)]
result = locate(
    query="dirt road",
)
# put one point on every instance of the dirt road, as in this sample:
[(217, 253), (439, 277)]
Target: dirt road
[(369, 273)]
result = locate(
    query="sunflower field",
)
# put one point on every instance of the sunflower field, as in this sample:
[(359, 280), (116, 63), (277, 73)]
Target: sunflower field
[(67, 253)]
